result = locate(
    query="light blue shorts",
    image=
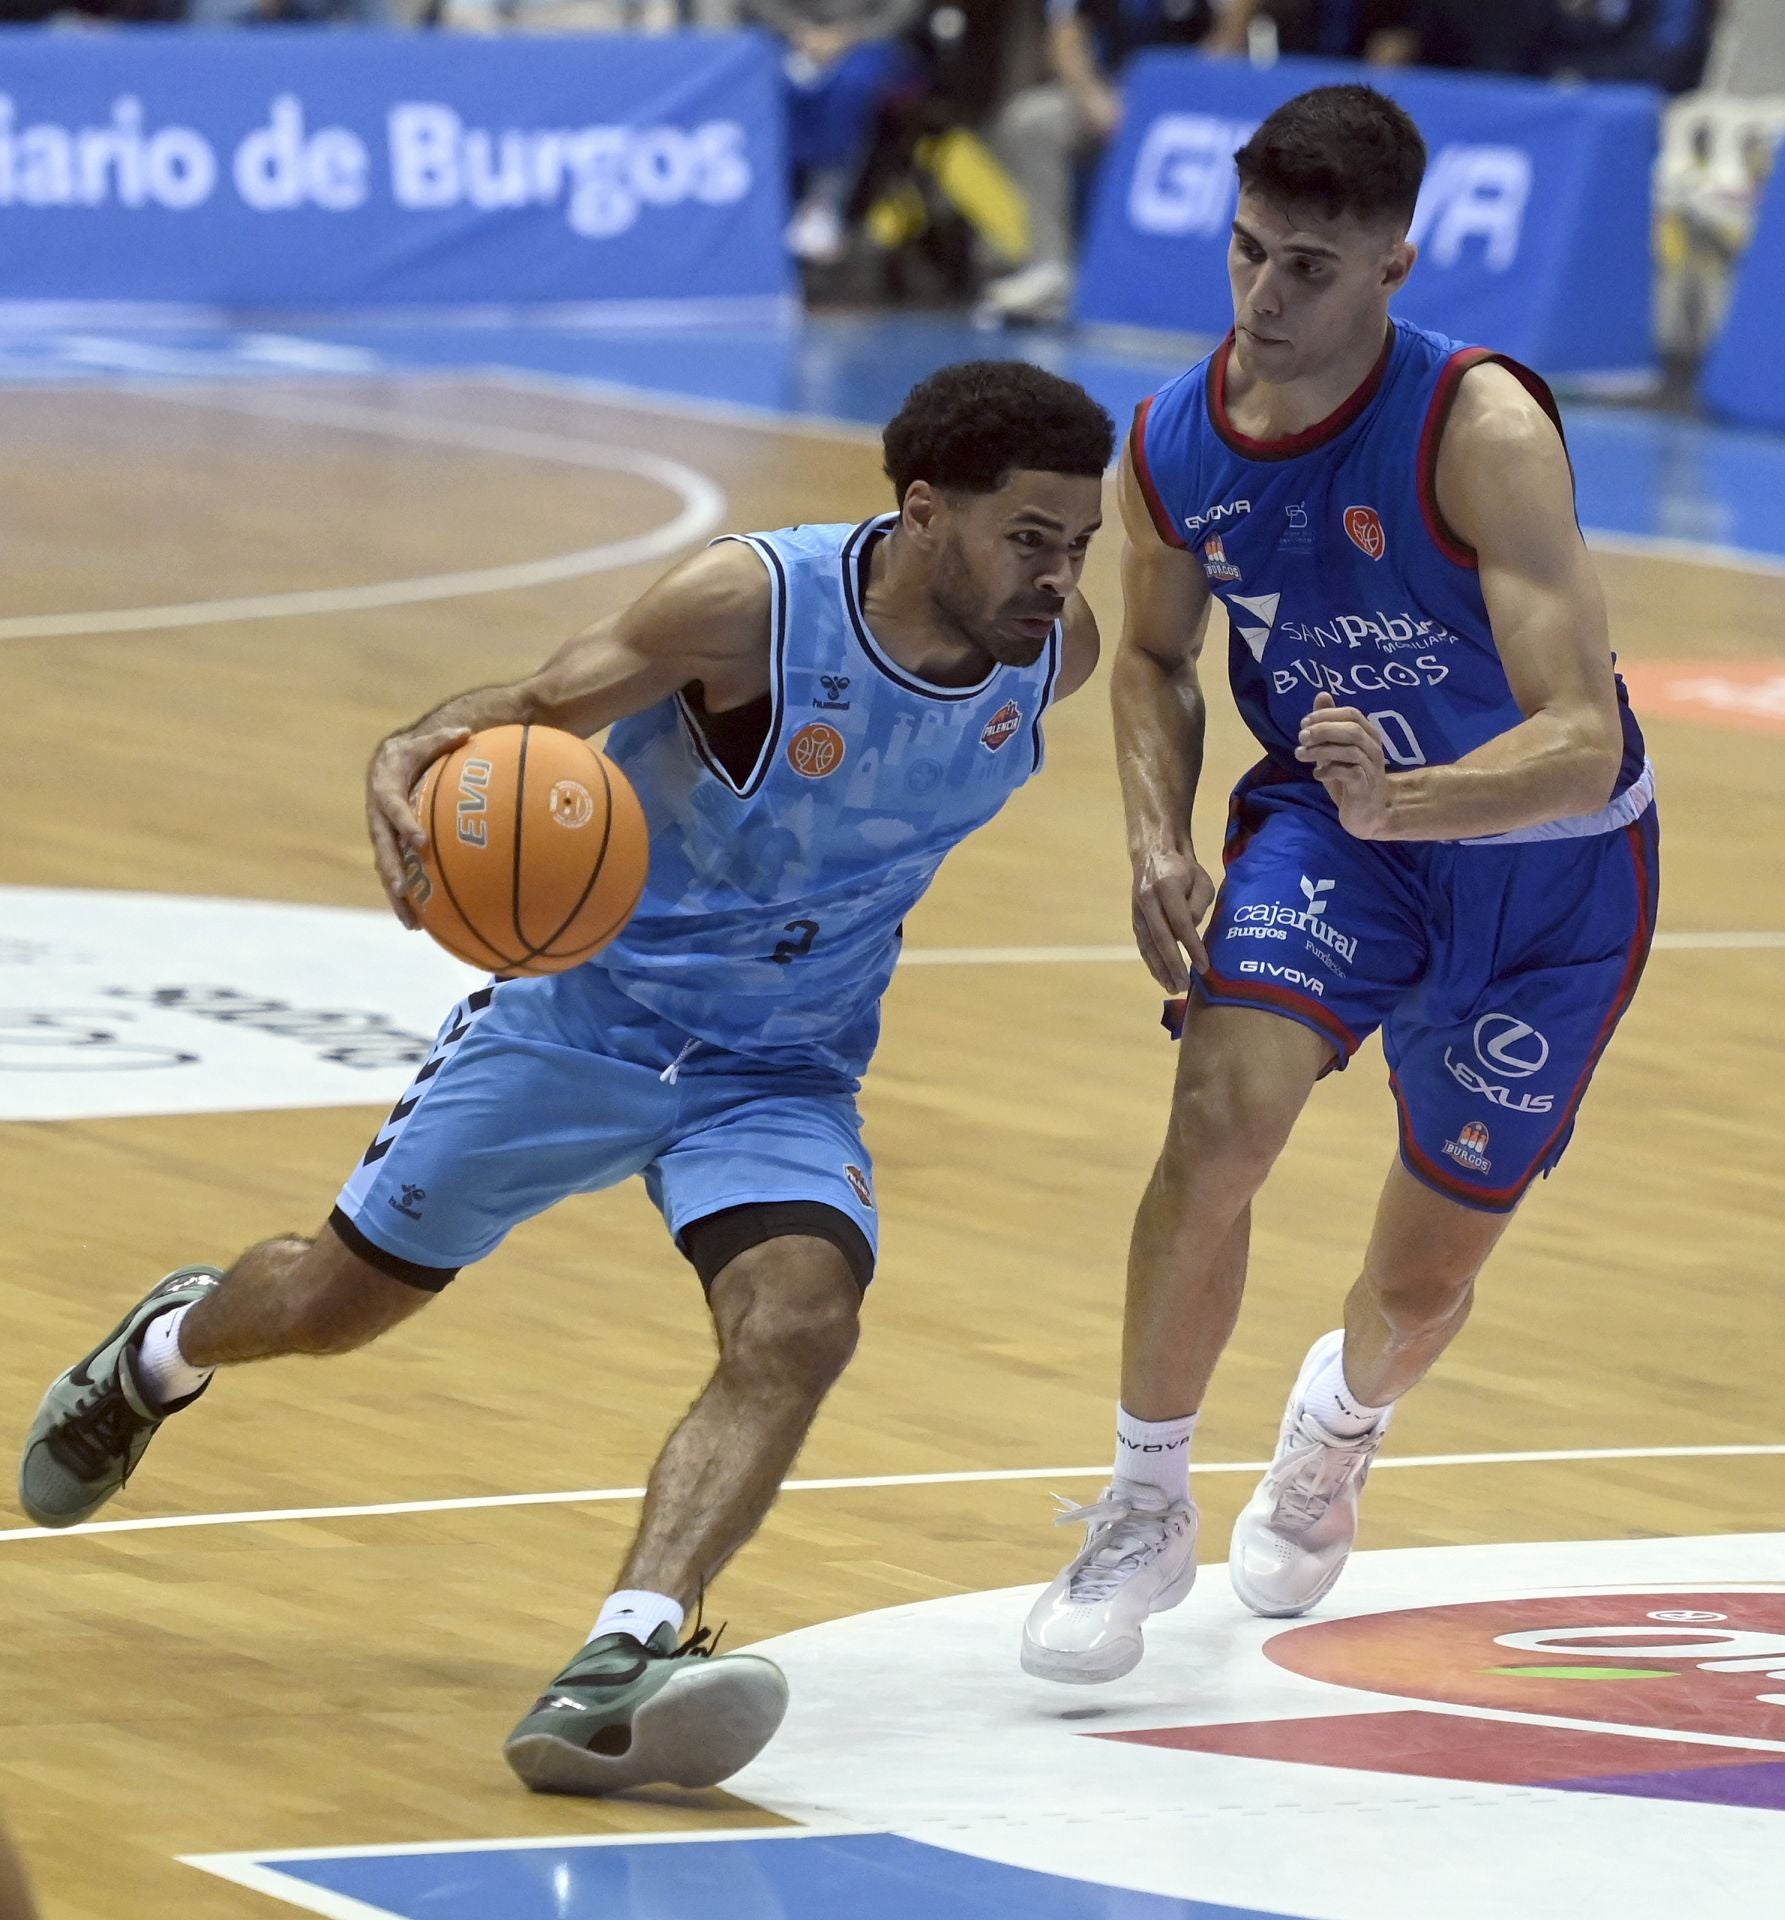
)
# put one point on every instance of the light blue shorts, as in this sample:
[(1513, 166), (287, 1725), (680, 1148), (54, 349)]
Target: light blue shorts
[(533, 1092)]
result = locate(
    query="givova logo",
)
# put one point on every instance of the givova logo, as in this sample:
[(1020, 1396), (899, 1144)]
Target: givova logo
[(604, 177), (1184, 185)]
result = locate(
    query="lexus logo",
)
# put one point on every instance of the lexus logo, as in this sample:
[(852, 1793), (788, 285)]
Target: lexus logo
[(1512, 1047)]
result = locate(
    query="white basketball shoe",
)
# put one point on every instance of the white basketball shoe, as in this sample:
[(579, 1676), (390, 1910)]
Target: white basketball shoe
[(1294, 1535), (1139, 1557)]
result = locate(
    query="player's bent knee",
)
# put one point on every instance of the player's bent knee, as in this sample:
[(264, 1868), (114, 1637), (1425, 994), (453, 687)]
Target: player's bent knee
[(788, 1311), (1224, 1121)]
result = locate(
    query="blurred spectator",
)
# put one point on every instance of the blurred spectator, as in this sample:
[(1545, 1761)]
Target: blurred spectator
[(844, 59), (1659, 43), (1046, 133), (1384, 32), (1708, 195)]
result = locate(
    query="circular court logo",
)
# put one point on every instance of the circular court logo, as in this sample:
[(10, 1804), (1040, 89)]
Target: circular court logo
[(1683, 1662)]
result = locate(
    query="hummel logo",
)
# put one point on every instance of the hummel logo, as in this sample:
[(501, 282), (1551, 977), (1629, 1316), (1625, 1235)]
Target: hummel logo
[(1318, 894), (410, 1203), (835, 686)]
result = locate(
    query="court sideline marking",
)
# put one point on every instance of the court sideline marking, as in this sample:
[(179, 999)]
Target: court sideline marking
[(618, 393), (860, 1483), (1755, 938), (702, 507), (703, 502)]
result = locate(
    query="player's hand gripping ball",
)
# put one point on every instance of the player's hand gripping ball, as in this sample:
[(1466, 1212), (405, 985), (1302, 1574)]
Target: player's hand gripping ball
[(536, 850)]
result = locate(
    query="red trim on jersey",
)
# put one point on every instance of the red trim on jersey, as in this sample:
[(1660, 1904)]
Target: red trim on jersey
[(1451, 1185), (1445, 538), (1309, 438), (1143, 472), (1500, 1199), (1275, 999)]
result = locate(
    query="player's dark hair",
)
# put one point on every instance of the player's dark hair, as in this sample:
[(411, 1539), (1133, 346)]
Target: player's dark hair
[(1341, 150), (967, 428)]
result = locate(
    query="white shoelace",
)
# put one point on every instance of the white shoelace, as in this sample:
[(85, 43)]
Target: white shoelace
[(1135, 1537), (1314, 1480)]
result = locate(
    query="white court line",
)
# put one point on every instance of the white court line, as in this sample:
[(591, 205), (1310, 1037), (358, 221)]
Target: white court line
[(619, 393), (259, 1871), (1757, 938), (590, 1496), (703, 505)]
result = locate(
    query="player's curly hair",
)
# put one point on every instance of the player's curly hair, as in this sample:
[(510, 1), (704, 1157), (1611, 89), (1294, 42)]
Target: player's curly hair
[(967, 428), (1345, 149)]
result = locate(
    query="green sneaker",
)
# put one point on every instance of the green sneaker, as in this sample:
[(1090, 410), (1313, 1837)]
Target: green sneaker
[(96, 1419), (631, 1714)]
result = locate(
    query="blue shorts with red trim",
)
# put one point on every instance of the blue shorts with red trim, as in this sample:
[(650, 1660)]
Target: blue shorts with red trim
[(1496, 973)]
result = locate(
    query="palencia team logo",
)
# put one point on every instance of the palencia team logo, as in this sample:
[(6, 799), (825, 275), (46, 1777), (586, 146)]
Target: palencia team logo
[(1002, 725)]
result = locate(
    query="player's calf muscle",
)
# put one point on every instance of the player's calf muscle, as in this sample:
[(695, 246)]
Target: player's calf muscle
[(293, 1295)]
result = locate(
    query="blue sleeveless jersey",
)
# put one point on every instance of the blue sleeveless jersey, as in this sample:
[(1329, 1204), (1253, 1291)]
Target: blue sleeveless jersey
[(1337, 569), (771, 918)]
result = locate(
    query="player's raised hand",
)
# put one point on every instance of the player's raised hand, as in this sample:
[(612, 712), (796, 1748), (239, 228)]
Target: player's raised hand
[(397, 836), (1346, 750), (1172, 895)]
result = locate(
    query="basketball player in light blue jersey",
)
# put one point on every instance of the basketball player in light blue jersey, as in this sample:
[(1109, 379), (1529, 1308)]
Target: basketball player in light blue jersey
[(1451, 837), (811, 718)]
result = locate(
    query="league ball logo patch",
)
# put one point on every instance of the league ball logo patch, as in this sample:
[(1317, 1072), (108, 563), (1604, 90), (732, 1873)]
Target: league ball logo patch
[(816, 750), (572, 805), (1364, 525), (1001, 725)]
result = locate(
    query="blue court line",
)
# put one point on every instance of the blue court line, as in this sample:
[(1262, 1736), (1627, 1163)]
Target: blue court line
[(876, 1876)]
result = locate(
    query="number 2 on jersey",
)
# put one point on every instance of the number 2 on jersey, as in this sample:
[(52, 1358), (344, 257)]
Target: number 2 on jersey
[(790, 950)]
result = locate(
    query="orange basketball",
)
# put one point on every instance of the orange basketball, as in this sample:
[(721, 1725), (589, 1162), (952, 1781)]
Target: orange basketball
[(536, 852)]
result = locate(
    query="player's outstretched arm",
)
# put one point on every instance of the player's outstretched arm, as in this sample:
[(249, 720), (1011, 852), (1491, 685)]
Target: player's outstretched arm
[(707, 620), (1504, 487), (1157, 698)]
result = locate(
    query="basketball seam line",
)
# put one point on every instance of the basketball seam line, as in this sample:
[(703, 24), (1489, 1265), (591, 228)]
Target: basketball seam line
[(471, 926), (607, 834), (528, 950)]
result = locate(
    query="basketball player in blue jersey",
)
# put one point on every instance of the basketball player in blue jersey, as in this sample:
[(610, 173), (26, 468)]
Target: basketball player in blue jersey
[(811, 718), (1451, 837)]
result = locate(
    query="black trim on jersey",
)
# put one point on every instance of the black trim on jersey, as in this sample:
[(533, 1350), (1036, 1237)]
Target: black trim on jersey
[(853, 549), (1056, 653), (778, 598), (411, 1272)]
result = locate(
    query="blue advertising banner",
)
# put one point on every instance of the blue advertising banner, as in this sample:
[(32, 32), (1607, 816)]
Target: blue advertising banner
[(296, 168), (1744, 375), (1533, 227)]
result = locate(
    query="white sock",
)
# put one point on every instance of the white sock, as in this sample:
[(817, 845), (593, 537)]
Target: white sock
[(1154, 1453), (639, 1613), (1334, 1405), (163, 1370)]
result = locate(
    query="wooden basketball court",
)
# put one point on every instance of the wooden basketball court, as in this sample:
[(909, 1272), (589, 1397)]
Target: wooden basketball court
[(338, 1680)]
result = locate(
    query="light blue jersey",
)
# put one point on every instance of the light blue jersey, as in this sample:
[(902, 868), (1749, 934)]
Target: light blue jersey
[(770, 923), (715, 1047)]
